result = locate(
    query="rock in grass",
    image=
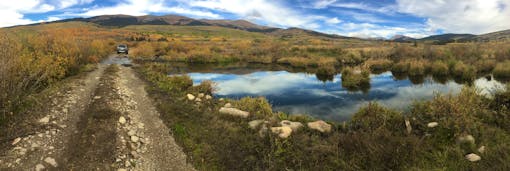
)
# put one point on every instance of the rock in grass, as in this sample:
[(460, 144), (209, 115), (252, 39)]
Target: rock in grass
[(255, 123), (51, 161), (283, 131), (208, 97), (320, 126), (234, 112), (39, 167), (190, 96), (432, 124), (134, 139), (201, 95), (481, 149), (408, 126), (473, 157), (292, 125), (466, 139), (44, 120), (228, 105), (16, 141), (122, 120)]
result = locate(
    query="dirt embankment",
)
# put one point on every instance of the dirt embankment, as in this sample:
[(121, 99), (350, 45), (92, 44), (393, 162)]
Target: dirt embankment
[(103, 121)]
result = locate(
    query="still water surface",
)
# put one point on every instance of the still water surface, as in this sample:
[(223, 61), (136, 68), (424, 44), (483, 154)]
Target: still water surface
[(303, 93)]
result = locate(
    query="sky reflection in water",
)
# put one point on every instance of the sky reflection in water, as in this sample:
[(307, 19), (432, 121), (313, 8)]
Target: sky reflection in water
[(301, 93)]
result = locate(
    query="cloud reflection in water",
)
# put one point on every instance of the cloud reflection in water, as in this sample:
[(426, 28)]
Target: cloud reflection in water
[(301, 93)]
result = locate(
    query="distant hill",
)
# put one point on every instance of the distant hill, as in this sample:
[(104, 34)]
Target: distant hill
[(495, 36), (298, 32), (175, 20), (126, 20), (402, 38)]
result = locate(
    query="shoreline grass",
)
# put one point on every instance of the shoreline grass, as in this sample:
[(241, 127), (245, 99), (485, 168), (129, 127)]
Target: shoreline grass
[(376, 137)]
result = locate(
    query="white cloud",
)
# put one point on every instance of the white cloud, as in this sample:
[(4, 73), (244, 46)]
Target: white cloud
[(467, 16), (369, 30), (138, 8), (334, 20), (266, 11), (12, 12), (68, 3), (323, 3)]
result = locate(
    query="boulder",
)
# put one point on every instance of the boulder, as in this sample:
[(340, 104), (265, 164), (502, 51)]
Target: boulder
[(234, 112), (208, 97), (228, 105), (255, 123), (473, 157), (16, 141), (201, 95), (320, 126), (408, 126), (39, 167), (44, 120), (122, 120), (283, 131), (432, 124), (466, 139), (292, 125), (481, 149), (134, 139), (190, 96), (51, 161)]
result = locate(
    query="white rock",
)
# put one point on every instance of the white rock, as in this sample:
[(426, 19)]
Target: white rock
[(283, 132), (473, 157), (131, 133), (51, 161), (122, 120), (190, 97), (208, 97), (201, 95), (481, 149), (432, 124), (44, 120), (121, 169), (221, 99), (466, 139), (97, 97), (409, 129), (292, 125), (198, 99), (234, 112), (134, 139), (228, 105), (39, 167), (320, 126), (255, 123), (16, 141)]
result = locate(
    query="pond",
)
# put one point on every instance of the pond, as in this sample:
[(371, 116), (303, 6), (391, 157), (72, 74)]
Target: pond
[(296, 92)]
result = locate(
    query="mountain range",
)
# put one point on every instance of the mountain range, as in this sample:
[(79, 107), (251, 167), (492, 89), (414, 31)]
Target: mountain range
[(126, 20)]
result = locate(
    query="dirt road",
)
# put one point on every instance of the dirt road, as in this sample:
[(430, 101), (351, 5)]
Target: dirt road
[(105, 121)]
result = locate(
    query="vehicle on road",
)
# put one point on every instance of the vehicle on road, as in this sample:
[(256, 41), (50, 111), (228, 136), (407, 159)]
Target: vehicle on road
[(122, 49)]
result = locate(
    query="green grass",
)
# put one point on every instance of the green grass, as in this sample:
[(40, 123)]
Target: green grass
[(502, 70), (355, 80), (375, 138)]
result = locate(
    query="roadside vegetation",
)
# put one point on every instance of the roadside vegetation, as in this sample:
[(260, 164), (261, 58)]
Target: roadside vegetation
[(32, 60)]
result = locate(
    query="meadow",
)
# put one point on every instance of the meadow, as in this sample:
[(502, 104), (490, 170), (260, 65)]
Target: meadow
[(376, 138)]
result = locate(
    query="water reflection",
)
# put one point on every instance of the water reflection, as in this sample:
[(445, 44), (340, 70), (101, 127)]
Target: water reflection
[(322, 96)]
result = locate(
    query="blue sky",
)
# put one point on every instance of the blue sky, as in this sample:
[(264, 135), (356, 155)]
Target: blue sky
[(362, 18)]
